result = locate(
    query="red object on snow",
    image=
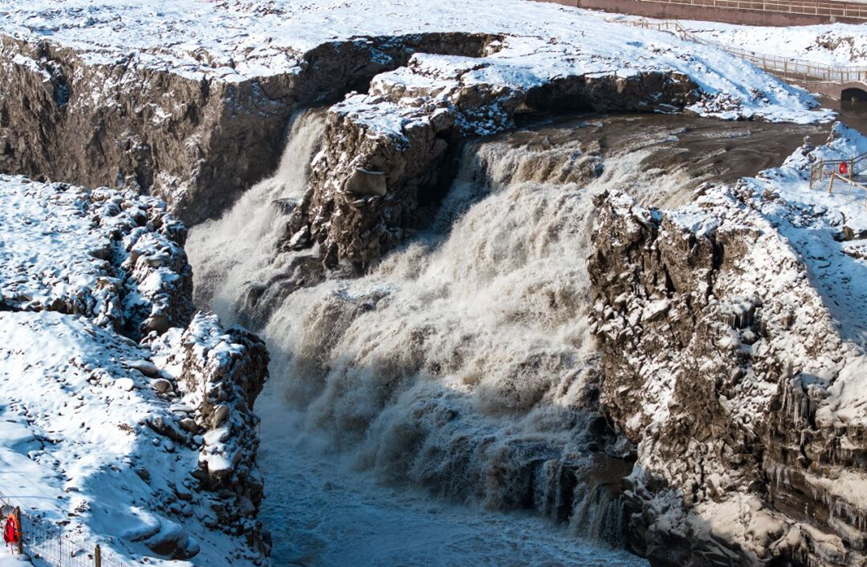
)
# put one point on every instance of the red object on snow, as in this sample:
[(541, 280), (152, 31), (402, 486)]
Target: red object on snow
[(844, 169), (12, 530)]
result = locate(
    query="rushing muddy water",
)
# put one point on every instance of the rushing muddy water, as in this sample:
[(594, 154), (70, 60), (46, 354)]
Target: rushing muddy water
[(322, 511), (463, 364)]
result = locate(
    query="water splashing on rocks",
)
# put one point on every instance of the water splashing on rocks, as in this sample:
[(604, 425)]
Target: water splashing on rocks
[(462, 363)]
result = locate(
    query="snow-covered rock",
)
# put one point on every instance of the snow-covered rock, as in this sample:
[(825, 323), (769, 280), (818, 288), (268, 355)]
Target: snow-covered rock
[(112, 256), (218, 374), (77, 431), (96, 425), (189, 100), (744, 394)]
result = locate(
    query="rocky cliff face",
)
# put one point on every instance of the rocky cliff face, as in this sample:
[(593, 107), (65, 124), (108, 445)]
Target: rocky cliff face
[(190, 101), (724, 366), (194, 139)]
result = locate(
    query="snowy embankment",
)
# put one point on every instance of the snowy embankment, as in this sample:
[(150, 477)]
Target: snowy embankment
[(842, 45), (145, 448), (178, 84), (837, 45), (735, 350)]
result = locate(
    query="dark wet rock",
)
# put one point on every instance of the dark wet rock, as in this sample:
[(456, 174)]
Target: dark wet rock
[(384, 167)]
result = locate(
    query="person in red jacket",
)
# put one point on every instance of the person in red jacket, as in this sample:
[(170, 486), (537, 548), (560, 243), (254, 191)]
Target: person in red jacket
[(12, 532)]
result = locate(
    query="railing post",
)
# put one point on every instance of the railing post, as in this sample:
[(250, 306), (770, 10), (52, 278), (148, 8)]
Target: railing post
[(20, 544), (97, 556)]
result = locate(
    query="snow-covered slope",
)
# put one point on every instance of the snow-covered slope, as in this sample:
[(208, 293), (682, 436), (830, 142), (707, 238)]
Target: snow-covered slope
[(843, 45), (234, 40), (147, 449), (834, 44)]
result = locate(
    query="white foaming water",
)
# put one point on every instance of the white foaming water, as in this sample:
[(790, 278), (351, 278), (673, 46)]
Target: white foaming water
[(226, 253), (321, 512), (462, 365)]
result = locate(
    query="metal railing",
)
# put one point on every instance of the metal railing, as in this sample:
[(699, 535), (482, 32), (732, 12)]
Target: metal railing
[(794, 69), (800, 7)]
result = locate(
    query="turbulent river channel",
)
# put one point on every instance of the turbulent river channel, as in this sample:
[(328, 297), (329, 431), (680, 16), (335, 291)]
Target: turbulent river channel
[(382, 387)]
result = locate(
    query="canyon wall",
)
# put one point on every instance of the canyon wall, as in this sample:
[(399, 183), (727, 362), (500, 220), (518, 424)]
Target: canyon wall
[(192, 138), (720, 362)]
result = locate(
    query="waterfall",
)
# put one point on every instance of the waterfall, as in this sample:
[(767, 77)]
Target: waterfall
[(462, 363), (229, 254)]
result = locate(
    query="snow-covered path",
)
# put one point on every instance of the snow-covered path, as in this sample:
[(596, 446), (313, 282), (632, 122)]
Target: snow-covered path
[(323, 514)]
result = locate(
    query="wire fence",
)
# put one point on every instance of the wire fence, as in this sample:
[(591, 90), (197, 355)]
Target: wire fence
[(819, 8), (846, 170), (50, 544)]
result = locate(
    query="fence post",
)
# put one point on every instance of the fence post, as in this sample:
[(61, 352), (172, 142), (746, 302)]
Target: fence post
[(21, 531), (97, 556)]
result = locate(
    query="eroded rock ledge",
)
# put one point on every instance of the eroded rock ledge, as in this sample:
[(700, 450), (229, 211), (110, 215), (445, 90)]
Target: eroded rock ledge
[(218, 374), (189, 101), (724, 366), (382, 170)]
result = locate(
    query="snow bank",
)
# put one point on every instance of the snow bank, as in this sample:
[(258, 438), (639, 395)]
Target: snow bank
[(113, 256), (103, 435), (842, 45), (233, 41), (75, 433)]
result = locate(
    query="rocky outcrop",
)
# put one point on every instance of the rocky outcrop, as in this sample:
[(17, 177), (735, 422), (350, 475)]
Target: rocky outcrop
[(190, 103), (84, 272), (383, 168), (195, 139), (720, 361), (113, 256), (217, 375)]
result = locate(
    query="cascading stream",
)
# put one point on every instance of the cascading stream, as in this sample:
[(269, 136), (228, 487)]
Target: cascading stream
[(463, 363)]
